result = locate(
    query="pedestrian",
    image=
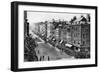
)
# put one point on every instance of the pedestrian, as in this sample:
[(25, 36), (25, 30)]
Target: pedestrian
[(43, 58), (48, 58), (40, 58), (38, 52)]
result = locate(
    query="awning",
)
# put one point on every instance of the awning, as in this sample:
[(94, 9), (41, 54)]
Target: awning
[(69, 45)]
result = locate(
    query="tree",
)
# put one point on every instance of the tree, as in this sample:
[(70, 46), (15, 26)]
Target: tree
[(29, 49)]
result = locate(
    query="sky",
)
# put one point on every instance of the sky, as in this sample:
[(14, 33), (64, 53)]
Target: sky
[(36, 16)]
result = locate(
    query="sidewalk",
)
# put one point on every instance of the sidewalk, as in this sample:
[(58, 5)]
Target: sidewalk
[(35, 36), (54, 47)]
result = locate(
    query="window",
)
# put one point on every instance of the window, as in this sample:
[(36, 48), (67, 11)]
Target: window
[(83, 42), (83, 35)]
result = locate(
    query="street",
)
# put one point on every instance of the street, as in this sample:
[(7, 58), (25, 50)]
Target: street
[(46, 52)]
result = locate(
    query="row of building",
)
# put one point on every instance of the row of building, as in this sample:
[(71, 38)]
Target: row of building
[(76, 33)]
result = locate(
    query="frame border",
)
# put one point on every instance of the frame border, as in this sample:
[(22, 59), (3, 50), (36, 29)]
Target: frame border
[(14, 35)]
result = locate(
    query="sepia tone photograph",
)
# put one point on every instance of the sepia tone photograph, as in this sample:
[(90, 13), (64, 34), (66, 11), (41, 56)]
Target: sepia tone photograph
[(50, 36)]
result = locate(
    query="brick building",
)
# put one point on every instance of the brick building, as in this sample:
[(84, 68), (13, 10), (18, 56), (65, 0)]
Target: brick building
[(65, 33), (81, 33), (76, 33)]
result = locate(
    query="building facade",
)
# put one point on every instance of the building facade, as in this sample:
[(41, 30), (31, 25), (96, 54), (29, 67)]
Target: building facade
[(76, 33), (81, 34)]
